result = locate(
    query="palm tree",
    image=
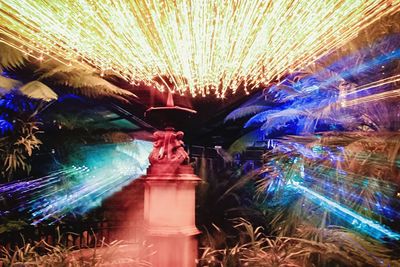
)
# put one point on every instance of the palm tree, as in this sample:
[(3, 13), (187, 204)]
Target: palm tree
[(339, 91), (335, 127), (18, 120), (81, 79)]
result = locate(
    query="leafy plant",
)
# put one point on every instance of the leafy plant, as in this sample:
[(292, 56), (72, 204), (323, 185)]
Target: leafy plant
[(253, 248), (9, 225), (78, 78), (23, 98), (43, 254), (18, 142)]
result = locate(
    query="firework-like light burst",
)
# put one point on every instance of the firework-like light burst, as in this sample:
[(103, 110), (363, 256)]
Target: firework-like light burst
[(199, 46)]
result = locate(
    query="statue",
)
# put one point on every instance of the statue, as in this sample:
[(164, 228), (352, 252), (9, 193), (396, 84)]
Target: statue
[(168, 148)]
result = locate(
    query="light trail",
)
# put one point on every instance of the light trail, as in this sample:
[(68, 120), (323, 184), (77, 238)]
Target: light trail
[(353, 198), (372, 98), (361, 223), (198, 46), (77, 189), (381, 82)]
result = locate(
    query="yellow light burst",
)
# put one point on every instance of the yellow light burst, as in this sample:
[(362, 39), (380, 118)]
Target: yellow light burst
[(201, 46)]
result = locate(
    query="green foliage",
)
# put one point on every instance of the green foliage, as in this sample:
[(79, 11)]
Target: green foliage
[(11, 225), (80, 78), (17, 146), (43, 254), (83, 79), (283, 227), (10, 57), (252, 247)]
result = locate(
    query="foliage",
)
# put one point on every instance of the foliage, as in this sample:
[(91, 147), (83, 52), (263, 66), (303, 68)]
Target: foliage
[(23, 98), (19, 139), (10, 57), (357, 170), (43, 254), (285, 229), (7, 84), (225, 195), (8, 225), (38, 90), (82, 79), (78, 78), (340, 138), (253, 248), (347, 90)]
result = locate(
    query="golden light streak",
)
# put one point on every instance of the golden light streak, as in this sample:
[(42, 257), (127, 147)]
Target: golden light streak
[(374, 98), (374, 84), (201, 46)]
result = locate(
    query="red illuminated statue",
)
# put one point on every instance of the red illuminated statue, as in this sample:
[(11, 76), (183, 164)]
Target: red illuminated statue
[(169, 201), (168, 148)]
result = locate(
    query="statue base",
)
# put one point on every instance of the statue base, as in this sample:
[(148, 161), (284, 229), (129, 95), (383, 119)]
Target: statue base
[(169, 214)]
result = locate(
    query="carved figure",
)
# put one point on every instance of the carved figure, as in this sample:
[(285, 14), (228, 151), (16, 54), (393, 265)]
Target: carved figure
[(168, 148)]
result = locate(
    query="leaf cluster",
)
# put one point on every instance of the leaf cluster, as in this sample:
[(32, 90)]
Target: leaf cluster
[(43, 254)]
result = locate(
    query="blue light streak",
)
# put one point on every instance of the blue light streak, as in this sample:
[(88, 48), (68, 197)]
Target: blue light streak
[(359, 222), (77, 189)]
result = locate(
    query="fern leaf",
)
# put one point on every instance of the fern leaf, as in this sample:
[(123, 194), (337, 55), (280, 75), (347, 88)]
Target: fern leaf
[(259, 118), (83, 79), (93, 86), (38, 90), (6, 84), (48, 71), (281, 118), (245, 141), (9, 56), (245, 111)]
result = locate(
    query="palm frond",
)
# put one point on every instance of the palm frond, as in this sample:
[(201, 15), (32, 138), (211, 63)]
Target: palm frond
[(280, 92), (7, 84), (83, 79), (245, 141), (38, 90), (245, 111), (99, 85), (280, 118), (51, 68), (260, 118), (10, 57), (362, 249)]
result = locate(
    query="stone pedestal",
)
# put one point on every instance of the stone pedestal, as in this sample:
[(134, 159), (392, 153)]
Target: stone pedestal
[(169, 214), (169, 203)]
